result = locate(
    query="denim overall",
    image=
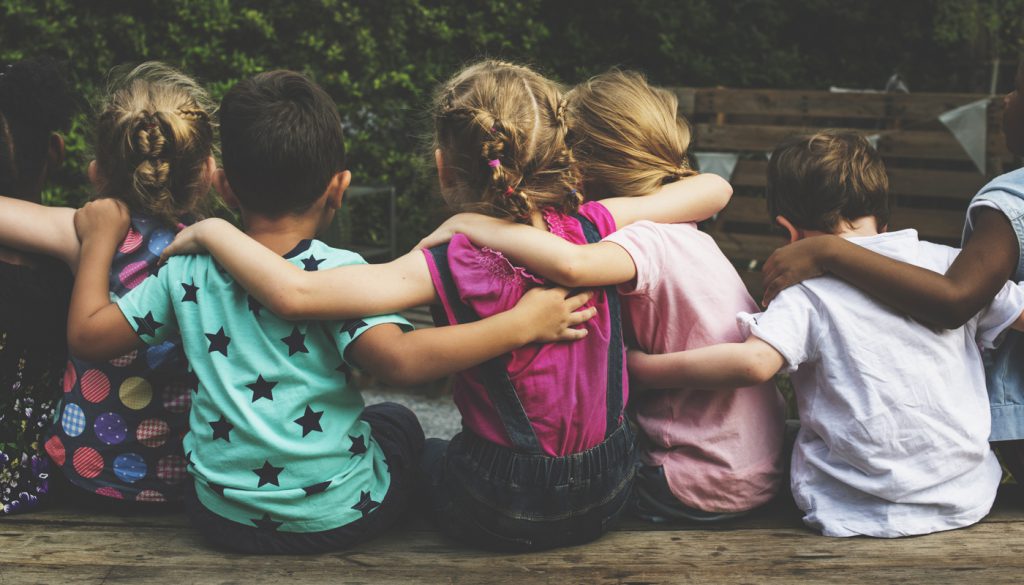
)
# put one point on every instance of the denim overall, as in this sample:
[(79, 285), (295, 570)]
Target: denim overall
[(522, 499)]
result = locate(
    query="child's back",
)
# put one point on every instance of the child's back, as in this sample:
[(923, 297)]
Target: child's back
[(894, 416)]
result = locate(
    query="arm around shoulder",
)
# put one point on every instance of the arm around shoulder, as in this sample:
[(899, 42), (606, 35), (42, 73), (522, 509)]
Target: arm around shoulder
[(717, 367)]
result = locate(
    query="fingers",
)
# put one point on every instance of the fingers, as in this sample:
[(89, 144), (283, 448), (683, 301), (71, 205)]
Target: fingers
[(580, 317), (576, 301), (772, 289), (569, 334)]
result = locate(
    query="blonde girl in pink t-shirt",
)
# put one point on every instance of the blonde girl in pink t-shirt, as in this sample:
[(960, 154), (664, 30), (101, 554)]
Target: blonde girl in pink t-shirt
[(545, 458), (707, 456)]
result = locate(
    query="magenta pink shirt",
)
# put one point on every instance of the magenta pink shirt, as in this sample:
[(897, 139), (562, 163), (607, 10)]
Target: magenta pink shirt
[(721, 450), (562, 386)]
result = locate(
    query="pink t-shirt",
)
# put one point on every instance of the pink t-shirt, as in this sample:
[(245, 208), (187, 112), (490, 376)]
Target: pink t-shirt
[(562, 386), (721, 450)]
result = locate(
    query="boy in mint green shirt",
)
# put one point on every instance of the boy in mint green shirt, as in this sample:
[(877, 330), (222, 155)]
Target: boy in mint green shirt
[(284, 456)]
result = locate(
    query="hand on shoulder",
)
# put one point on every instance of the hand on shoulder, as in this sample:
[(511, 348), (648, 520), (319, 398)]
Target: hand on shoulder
[(102, 218)]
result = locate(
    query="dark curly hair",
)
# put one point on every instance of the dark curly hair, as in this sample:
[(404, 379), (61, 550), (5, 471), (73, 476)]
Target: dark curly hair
[(35, 102)]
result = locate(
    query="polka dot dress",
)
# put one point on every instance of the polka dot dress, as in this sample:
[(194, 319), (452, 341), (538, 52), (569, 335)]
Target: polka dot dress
[(119, 428)]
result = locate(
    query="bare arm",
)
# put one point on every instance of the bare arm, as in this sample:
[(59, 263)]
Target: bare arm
[(986, 262), (347, 292), (546, 254), (542, 315), (35, 228), (725, 366), (694, 198), (97, 329)]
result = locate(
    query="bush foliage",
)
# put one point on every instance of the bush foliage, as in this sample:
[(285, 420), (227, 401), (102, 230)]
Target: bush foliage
[(380, 59)]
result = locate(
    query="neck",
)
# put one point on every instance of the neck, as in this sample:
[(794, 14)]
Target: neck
[(862, 226), (280, 234)]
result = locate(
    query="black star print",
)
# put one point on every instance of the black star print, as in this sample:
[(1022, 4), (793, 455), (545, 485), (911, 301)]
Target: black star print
[(192, 381), (261, 389), (222, 429), (365, 503), (216, 487), (219, 342), (310, 421), (266, 523), (351, 327), (312, 263), (358, 445), (268, 474), (346, 370), (296, 342), (316, 488), (147, 325), (190, 292), (254, 305)]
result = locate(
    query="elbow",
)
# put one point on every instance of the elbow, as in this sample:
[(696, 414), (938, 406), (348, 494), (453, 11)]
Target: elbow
[(83, 346), (954, 311), (757, 369), (569, 273), (401, 372)]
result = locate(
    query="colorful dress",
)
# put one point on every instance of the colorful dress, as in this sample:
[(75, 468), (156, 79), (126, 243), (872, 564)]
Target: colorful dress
[(33, 323), (120, 424)]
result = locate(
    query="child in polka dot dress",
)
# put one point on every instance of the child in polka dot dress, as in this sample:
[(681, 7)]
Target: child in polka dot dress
[(116, 438)]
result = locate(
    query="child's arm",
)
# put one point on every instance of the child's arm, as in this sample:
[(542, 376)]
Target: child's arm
[(542, 315), (347, 292), (725, 366), (986, 262), (97, 329), (694, 198), (35, 228)]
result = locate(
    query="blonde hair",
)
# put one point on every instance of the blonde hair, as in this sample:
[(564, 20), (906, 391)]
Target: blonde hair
[(501, 131), (154, 134), (627, 136)]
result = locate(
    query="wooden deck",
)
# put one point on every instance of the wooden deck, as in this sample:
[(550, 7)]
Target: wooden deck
[(61, 546)]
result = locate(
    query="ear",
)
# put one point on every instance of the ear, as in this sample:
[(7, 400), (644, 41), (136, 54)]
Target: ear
[(220, 183), (336, 189), (443, 174), (794, 234), (94, 175), (56, 152)]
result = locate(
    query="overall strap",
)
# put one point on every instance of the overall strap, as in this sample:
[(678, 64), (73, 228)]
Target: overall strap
[(495, 378), (615, 347)]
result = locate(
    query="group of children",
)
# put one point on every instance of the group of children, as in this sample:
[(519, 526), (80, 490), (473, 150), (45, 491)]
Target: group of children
[(220, 379)]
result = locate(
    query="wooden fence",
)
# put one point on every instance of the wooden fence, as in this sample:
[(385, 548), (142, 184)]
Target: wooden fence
[(931, 176)]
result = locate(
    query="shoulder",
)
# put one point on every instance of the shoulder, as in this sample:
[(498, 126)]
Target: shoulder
[(596, 212), (1005, 192), (319, 256)]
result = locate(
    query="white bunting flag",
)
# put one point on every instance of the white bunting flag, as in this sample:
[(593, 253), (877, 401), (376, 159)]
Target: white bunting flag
[(969, 126), (873, 140), (719, 163)]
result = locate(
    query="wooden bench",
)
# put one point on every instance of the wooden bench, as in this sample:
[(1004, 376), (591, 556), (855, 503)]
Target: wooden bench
[(63, 546), (931, 176)]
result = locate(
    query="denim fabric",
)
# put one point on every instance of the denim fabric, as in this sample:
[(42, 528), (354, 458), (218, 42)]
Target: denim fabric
[(1004, 367), (492, 497), (397, 430)]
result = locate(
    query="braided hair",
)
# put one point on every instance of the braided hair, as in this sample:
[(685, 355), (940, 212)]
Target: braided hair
[(153, 136), (501, 131), (35, 102)]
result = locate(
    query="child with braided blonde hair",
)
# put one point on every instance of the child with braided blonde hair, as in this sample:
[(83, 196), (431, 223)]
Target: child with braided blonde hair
[(545, 458), (117, 435)]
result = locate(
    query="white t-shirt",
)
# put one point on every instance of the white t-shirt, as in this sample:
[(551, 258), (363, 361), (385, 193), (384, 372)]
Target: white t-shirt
[(894, 417)]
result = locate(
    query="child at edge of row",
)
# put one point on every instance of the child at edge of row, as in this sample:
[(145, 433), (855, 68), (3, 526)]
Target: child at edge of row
[(545, 458), (894, 420), (993, 252), (708, 456), (116, 441), (35, 104), (284, 456)]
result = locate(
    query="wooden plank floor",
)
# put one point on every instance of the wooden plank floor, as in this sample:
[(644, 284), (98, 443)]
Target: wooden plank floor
[(61, 546)]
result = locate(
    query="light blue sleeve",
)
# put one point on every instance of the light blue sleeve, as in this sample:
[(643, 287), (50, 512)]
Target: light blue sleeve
[(1006, 194)]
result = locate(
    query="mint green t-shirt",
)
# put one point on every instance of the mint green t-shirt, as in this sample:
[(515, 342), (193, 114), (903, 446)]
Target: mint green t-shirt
[(276, 440)]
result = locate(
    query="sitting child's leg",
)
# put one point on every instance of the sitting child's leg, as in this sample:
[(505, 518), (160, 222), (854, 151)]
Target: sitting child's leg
[(655, 502), (398, 433)]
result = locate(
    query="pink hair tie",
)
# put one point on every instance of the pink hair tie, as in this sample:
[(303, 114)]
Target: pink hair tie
[(181, 226), (494, 163), (509, 192)]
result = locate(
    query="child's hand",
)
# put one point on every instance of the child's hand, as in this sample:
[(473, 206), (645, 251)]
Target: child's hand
[(795, 263), (459, 223), (552, 316), (189, 240), (102, 219)]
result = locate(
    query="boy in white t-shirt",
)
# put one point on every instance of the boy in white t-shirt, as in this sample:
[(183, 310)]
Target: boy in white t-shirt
[(894, 417)]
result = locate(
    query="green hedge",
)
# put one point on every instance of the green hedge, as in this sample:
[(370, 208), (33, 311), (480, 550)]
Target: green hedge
[(381, 58)]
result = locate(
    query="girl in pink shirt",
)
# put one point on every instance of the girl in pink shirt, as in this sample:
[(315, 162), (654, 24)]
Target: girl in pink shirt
[(708, 456), (545, 458)]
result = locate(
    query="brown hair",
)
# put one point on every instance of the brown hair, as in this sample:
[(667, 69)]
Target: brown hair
[(627, 136), (501, 131), (153, 136), (818, 180)]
